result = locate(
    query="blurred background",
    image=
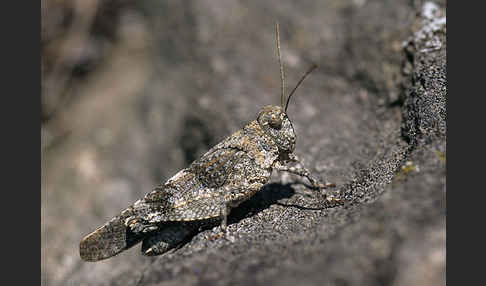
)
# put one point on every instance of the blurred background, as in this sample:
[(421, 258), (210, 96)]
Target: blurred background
[(133, 91)]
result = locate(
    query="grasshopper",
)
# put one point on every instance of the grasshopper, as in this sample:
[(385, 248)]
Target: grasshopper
[(205, 192)]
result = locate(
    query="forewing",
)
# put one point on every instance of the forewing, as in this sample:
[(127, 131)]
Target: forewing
[(194, 193)]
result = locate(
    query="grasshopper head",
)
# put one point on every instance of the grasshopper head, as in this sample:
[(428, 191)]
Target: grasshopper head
[(276, 124), (273, 119)]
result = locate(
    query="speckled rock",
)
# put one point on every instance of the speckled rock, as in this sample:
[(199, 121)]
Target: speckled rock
[(180, 76)]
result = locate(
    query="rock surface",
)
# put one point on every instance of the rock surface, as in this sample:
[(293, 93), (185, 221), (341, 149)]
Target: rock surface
[(173, 79)]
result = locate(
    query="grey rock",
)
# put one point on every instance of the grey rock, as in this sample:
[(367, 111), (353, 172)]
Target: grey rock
[(181, 76)]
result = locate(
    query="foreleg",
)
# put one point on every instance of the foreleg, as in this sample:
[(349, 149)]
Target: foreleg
[(301, 171), (304, 172)]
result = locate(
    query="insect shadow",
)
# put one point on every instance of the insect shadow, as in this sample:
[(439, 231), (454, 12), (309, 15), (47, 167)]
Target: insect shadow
[(269, 195)]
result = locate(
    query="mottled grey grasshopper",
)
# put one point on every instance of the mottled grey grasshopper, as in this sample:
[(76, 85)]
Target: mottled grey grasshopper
[(205, 192)]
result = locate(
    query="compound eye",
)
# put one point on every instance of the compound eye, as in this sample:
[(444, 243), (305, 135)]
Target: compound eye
[(275, 123)]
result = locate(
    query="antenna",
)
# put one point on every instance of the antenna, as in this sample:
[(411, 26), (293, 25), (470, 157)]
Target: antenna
[(314, 66), (282, 76)]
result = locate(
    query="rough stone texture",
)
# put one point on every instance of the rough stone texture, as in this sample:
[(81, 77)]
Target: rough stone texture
[(167, 81)]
